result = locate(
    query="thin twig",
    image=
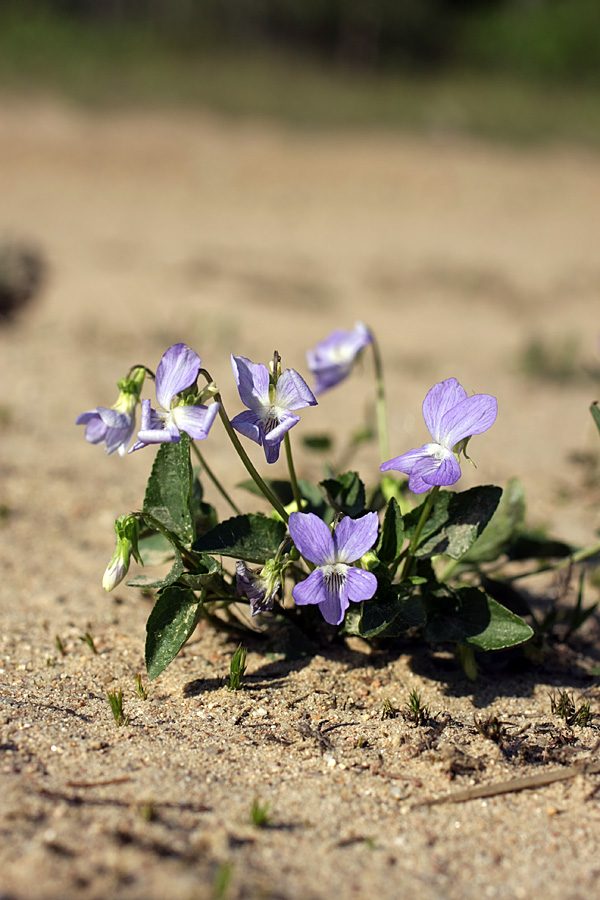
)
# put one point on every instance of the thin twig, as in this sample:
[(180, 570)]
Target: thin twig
[(527, 782)]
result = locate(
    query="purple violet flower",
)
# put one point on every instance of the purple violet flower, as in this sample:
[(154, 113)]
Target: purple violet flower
[(335, 583), (177, 370), (269, 415), (452, 418), (332, 359), (259, 585), (115, 426)]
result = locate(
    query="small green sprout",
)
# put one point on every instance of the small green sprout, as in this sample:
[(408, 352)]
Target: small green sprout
[(116, 704), (466, 657), (415, 712), (551, 360), (259, 814), (388, 711), (60, 646), (583, 715), (148, 812), (139, 687), (89, 640), (237, 669), (490, 728), (222, 881), (563, 706)]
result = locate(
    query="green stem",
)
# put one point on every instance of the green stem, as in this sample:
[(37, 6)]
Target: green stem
[(214, 479), (578, 557), (261, 485), (381, 407), (448, 569), (292, 471), (412, 547)]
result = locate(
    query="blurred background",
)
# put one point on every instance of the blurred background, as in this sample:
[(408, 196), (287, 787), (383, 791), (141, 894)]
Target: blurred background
[(509, 68), (246, 175)]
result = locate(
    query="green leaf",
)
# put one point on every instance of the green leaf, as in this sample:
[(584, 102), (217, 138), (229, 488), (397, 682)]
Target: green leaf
[(207, 567), (171, 622), (392, 534), (456, 521), (470, 616), (204, 515), (254, 538), (437, 517), (533, 546), (393, 610), (346, 493), (505, 524), (156, 549), (595, 411), (169, 490), (318, 442)]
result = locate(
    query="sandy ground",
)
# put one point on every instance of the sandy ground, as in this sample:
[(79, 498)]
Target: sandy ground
[(245, 238)]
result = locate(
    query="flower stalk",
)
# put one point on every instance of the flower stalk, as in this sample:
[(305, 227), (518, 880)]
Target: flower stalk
[(292, 471), (215, 480), (380, 403), (246, 461), (412, 547)]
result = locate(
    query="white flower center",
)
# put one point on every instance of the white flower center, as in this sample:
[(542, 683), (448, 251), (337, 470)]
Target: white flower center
[(271, 417), (334, 576), (342, 353)]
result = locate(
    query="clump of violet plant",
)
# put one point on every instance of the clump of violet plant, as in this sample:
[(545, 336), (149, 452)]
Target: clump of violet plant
[(374, 558)]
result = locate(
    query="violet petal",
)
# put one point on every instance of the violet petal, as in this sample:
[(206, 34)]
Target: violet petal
[(248, 423), (439, 469), (336, 602), (474, 415), (353, 537), (417, 485), (272, 451), (195, 420), (95, 428), (311, 590), (312, 538), (252, 380), (287, 420), (292, 392), (361, 585), (442, 397), (113, 418), (406, 462), (177, 370)]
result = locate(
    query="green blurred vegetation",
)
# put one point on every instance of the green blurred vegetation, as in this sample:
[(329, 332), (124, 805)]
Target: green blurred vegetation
[(519, 69)]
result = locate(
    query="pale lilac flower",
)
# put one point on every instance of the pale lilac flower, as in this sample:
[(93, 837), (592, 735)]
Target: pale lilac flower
[(452, 418), (333, 358), (269, 415), (335, 583), (115, 426), (177, 370), (260, 585)]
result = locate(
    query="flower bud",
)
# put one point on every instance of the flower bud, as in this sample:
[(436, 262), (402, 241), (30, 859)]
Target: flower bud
[(127, 531)]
